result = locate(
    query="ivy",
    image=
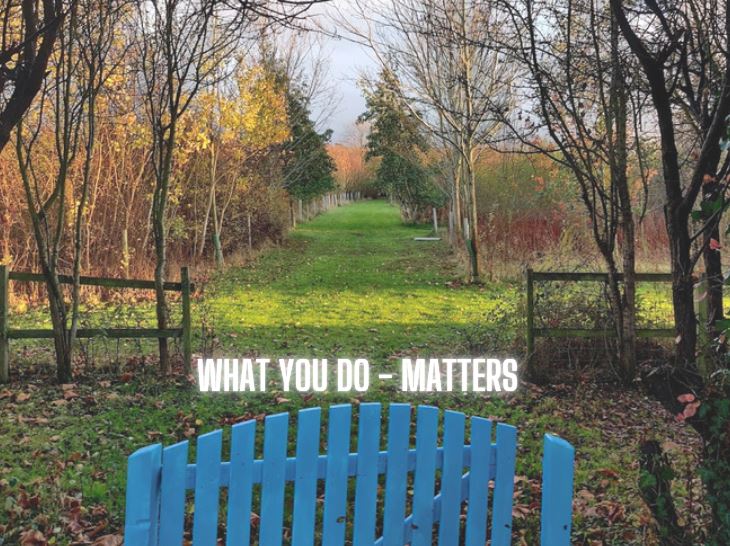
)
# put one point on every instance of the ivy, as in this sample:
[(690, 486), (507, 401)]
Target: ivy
[(715, 467)]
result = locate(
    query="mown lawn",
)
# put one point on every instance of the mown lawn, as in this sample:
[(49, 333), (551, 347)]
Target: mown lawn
[(351, 283)]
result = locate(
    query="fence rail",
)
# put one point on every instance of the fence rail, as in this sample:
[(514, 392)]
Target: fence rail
[(557, 332), (183, 333)]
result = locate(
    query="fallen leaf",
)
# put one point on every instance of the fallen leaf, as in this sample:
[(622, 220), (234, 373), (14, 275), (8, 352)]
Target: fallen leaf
[(70, 394), (33, 537), (109, 540)]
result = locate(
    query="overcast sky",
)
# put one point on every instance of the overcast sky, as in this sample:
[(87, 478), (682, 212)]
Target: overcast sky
[(346, 61)]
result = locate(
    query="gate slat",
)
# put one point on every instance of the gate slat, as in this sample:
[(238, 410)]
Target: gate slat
[(481, 450), (396, 479), (207, 488), (240, 484), (335, 493), (425, 475), (450, 523), (557, 491), (142, 503), (305, 487), (276, 429), (172, 493), (504, 485), (366, 492)]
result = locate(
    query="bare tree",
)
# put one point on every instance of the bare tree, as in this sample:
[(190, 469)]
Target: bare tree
[(305, 60), (181, 47), (683, 49), (28, 31), (575, 90), (80, 68), (683, 52), (450, 78)]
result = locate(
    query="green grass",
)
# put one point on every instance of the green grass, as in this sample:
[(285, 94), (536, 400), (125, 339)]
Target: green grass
[(351, 283)]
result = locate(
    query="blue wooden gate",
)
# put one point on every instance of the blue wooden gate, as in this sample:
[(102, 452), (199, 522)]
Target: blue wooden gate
[(422, 495)]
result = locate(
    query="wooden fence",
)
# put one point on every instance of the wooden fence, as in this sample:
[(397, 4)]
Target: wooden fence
[(6, 334), (533, 332)]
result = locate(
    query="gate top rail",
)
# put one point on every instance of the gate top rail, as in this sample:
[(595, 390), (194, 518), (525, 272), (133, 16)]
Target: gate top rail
[(594, 276), (106, 282)]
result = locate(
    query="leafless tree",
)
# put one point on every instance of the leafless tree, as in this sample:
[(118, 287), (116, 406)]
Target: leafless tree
[(80, 66), (28, 31), (575, 90), (683, 49), (181, 47), (304, 59), (450, 77)]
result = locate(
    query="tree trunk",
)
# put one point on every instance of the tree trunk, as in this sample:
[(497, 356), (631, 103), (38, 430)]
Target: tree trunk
[(713, 264), (456, 197), (217, 228), (218, 250), (250, 235), (616, 305), (161, 296), (471, 213), (160, 237), (60, 333), (628, 337), (206, 218), (682, 288), (655, 488), (626, 310), (125, 251)]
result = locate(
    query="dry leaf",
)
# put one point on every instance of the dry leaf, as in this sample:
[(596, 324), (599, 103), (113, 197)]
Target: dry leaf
[(109, 540)]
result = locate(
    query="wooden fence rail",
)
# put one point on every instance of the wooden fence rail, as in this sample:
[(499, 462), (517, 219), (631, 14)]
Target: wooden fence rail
[(184, 333), (533, 332)]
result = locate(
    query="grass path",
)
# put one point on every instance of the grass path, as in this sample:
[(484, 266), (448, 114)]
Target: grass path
[(351, 283)]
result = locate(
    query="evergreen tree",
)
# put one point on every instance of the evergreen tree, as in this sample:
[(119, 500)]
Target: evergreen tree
[(308, 166), (396, 138)]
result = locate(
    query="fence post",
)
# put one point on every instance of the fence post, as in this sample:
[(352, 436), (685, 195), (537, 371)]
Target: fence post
[(250, 238), (530, 319), (187, 340), (452, 234), (701, 311), (4, 304)]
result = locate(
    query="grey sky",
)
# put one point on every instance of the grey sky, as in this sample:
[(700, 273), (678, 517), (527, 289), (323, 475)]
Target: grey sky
[(346, 61)]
